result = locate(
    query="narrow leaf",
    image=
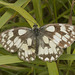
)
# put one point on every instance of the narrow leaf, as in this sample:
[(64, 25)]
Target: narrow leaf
[(25, 14), (38, 11), (7, 15), (7, 59), (52, 68)]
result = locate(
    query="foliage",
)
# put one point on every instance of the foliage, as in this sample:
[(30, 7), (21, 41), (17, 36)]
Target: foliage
[(18, 13)]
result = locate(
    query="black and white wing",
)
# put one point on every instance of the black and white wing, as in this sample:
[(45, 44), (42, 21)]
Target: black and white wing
[(55, 37), (48, 50), (62, 34), (21, 40)]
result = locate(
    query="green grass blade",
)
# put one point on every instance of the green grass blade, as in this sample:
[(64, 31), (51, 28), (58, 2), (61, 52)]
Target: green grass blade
[(5, 17), (67, 16), (72, 60), (61, 15), (55, 12), (15, 68), (67, 57), (70, 63), (69, 50), (52, 68), (21, 2), (26, 3), (25, 14), (4, 3), (7, 59), (8, 14), (38, 11)]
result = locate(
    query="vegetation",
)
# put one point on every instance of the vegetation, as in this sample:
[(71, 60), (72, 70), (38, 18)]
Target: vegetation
[(24, 13)]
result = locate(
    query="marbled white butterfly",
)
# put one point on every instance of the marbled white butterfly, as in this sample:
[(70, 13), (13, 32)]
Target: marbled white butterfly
[(46, 42)]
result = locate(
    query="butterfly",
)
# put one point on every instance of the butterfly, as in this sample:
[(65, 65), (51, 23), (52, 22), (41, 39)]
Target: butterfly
[(46, 42)]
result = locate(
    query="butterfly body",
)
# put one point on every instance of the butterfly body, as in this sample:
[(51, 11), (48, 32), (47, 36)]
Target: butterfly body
[(46, 42)]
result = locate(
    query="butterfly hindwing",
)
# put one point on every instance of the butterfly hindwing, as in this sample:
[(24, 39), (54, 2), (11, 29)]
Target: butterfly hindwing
[(27, 50), (48, 50), (62, 34)]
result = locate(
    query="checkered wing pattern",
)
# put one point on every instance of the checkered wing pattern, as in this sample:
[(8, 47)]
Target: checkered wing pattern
[(48, 50), (21, 40), (61, 34), (54, 37)]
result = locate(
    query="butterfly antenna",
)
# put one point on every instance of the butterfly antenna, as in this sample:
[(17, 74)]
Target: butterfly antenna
[(70, 17)]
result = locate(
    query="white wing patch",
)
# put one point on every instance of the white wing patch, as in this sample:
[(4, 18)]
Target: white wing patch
[(10, 34), (65, 45), (29, 41), (58, 34), (56, 38), (45, 39), (67, 36), (21, 31), (50, 28), (64, 39), (63, 28)]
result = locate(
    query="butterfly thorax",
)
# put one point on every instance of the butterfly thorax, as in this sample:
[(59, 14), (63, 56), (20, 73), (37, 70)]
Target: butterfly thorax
[(36, 30)]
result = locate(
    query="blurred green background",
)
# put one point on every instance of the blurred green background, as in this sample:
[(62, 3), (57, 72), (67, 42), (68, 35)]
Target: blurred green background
[(24, 13)]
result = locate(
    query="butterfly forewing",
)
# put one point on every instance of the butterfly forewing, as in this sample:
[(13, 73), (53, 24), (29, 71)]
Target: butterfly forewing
[(13, 38), (62, 34)]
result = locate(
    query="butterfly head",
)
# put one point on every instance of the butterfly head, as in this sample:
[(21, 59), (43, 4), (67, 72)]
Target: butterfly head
[(36, 29), (35, 26)]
